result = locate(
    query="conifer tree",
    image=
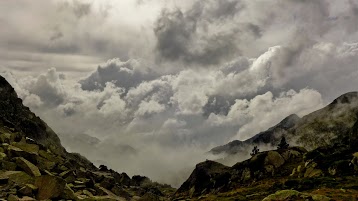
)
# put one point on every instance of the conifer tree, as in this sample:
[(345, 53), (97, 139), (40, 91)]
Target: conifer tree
[(283, 144), (255, 151)]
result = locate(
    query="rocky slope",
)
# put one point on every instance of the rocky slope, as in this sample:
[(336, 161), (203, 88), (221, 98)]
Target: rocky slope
[(326, 173), (317, 129), (271, 137), (210, 177), (35, 166), (321, 127)]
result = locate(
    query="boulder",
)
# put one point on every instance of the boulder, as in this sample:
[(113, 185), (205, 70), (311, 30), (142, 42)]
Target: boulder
[(274, 158), (107, 182), (29, 148), (207, 176), (49, 187), (18, 177), (13, 151), (49, 156), (5, 138), (7, 165), (26, 198), (28, 167), (270, 169), (12, 197), (104, 192), (28, 190), (68, 193), (121, 192), (311, 170), (86, 192), (2, 156), (44, 164), (69, 176), (122, 179), (290, 154)]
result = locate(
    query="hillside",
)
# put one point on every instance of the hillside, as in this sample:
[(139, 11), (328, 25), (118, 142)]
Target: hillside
[(326, 173), (35, 166), (316, 129), (271, 137), (321, 127)]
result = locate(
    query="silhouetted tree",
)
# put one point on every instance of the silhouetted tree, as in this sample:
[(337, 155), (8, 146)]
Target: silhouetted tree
[(283, 144), (255, 151)]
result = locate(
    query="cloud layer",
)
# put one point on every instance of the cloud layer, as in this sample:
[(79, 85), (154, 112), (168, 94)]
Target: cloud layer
[(180, 78)]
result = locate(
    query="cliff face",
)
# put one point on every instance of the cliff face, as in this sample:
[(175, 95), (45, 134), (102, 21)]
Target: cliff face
[(35, 166)]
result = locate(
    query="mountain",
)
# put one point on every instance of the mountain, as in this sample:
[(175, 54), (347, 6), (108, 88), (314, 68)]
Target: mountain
[(35, 166), (323, 126), (316, 129), (272, 136), (18, 117), (328, 172)]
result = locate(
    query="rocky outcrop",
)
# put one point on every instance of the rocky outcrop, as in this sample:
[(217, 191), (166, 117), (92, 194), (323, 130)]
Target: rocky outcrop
[(18, 117), (41, 174), (207, 176), (336, 159), (212, 177)]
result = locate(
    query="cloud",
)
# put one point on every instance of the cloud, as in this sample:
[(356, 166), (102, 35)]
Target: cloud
[(123, 74), (61, 28), (264, 111), (179, 35), (147, 108)]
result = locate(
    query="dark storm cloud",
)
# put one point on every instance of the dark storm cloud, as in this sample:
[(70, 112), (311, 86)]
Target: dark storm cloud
[(210, 32), (181, 35)]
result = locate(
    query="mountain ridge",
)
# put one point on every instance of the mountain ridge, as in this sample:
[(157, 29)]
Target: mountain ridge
[(304, 131), (270, 136)]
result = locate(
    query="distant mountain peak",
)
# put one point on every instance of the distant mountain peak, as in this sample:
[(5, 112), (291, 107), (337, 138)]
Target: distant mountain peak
[(316, 129), (270, 136)]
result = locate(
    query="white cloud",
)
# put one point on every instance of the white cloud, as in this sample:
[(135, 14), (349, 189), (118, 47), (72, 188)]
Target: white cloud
[(148, 108)]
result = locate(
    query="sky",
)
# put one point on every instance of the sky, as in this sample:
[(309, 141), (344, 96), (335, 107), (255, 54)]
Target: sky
[(149, 86)]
